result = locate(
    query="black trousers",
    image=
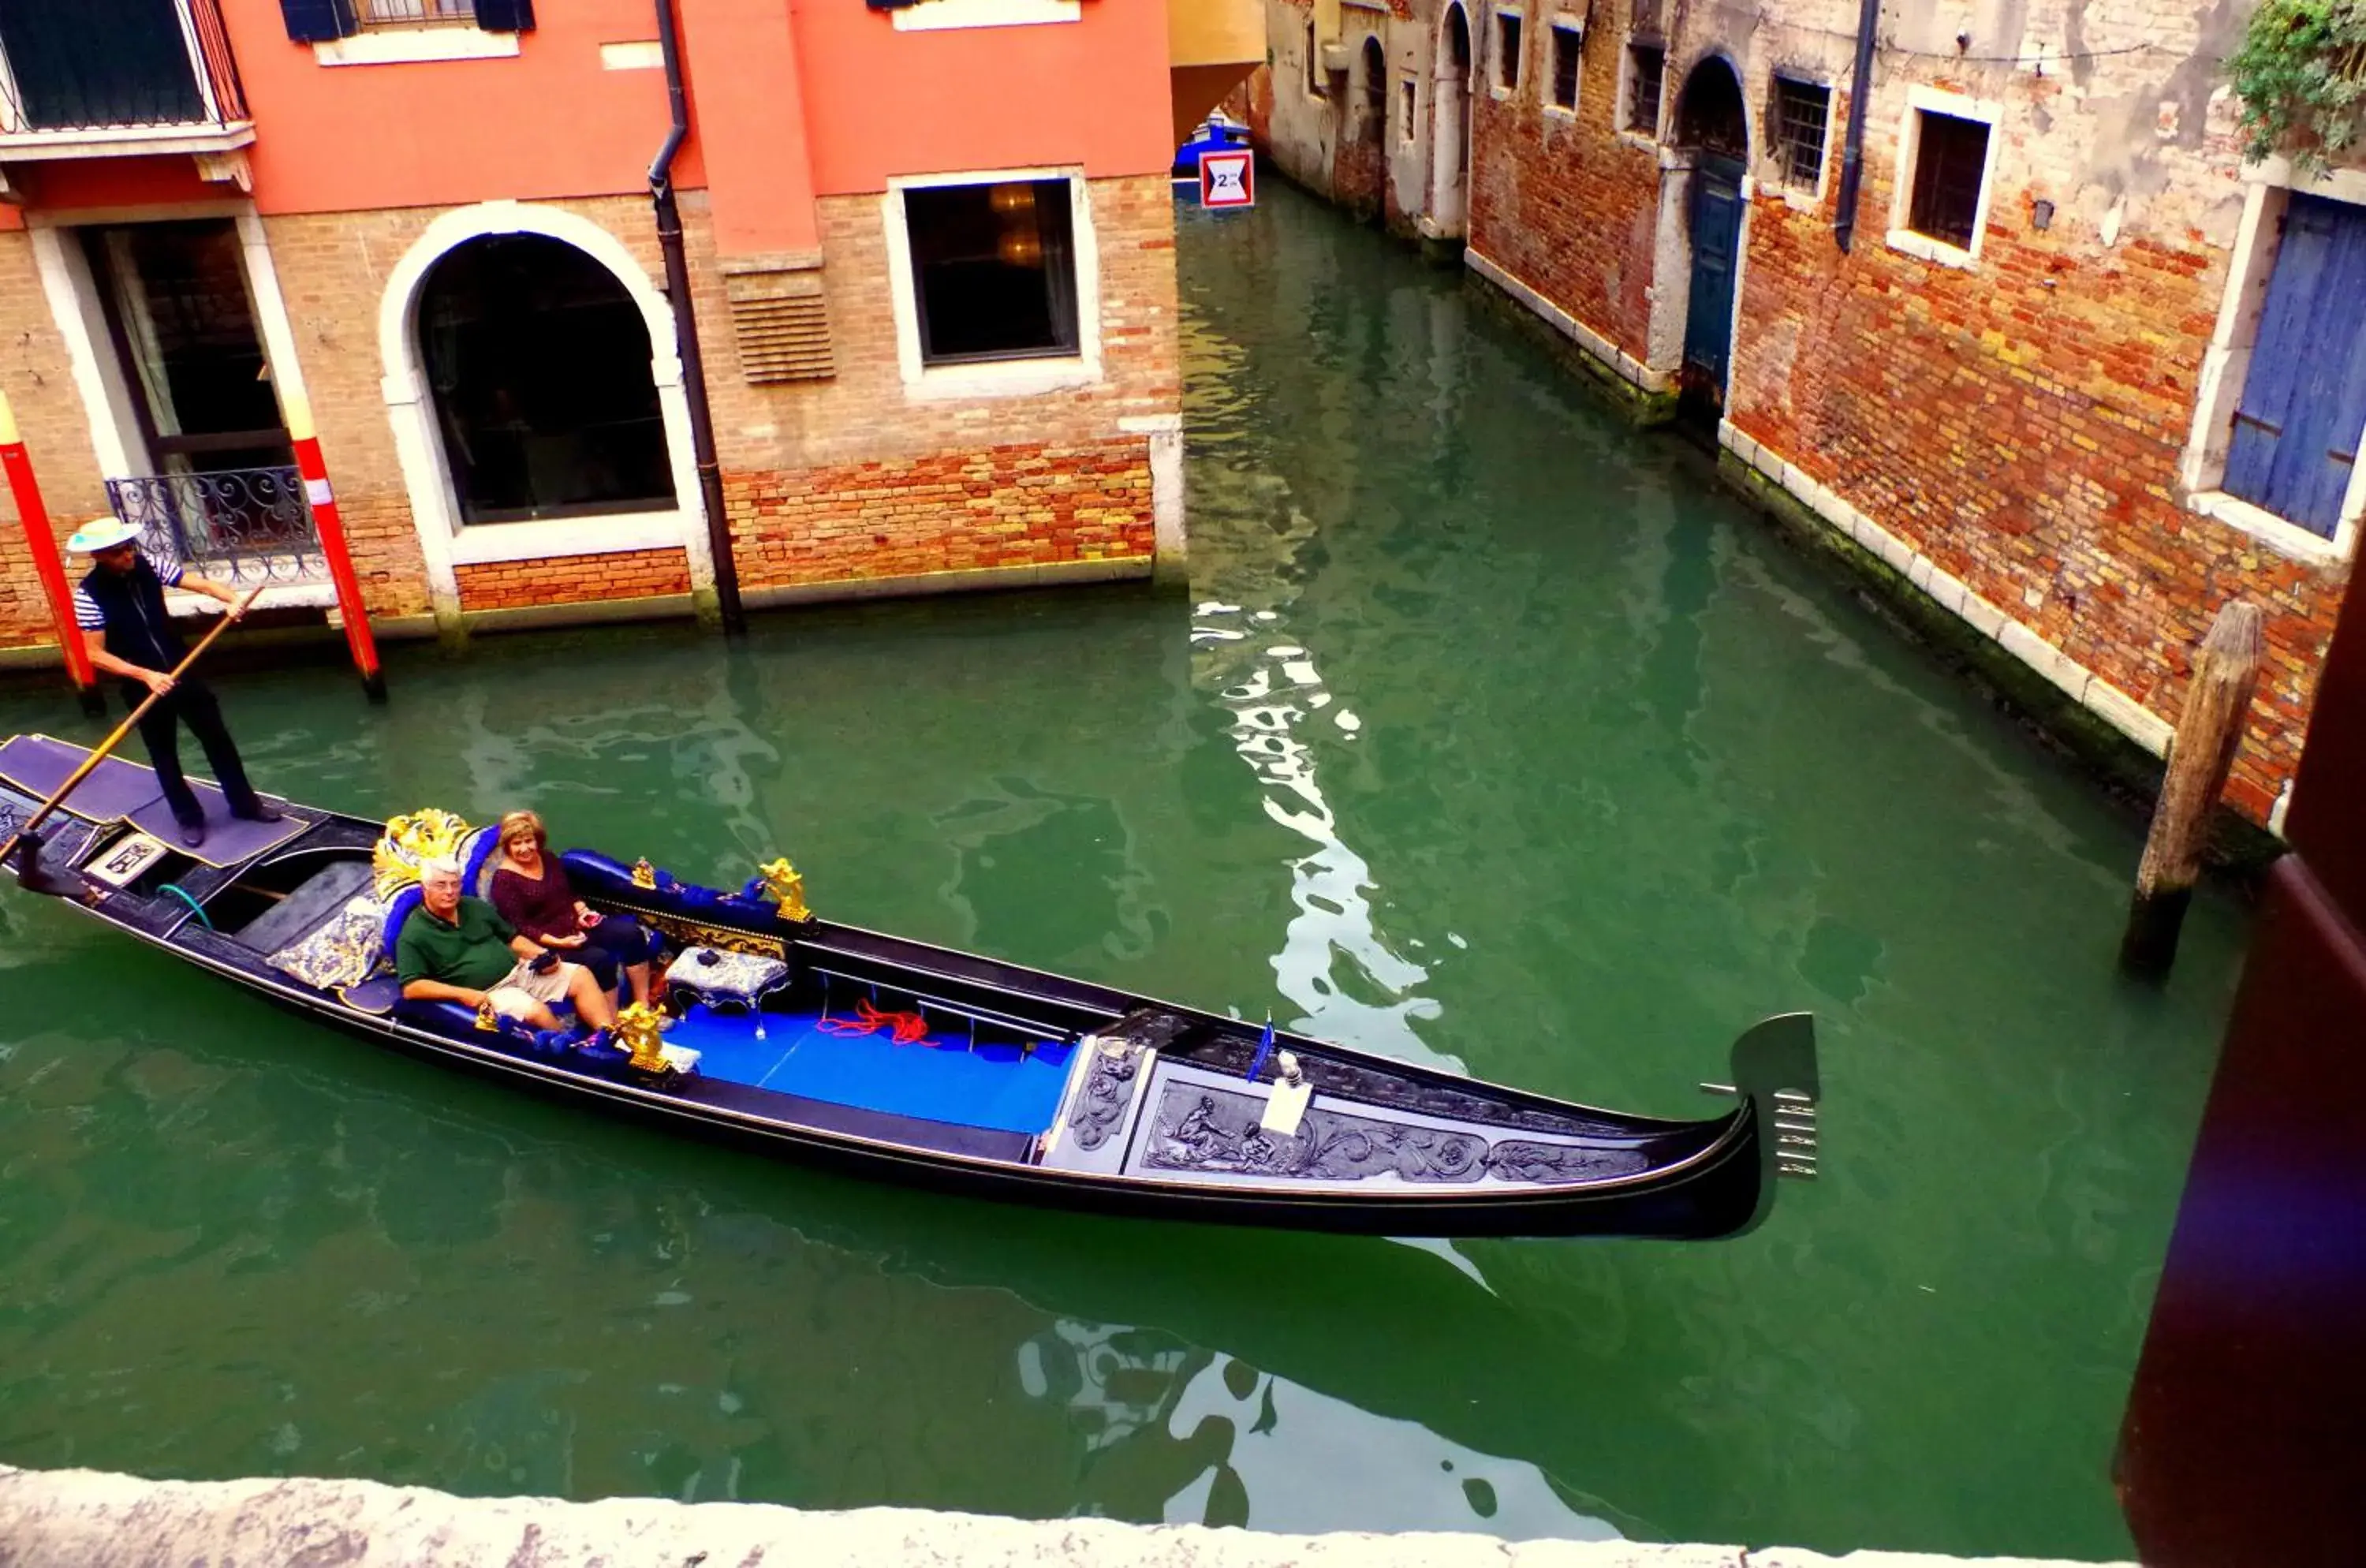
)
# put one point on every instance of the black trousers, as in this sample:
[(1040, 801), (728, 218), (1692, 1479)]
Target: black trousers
[(192, 702)]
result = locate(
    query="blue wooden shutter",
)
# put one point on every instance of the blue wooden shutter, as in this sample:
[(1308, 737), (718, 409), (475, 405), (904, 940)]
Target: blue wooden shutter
[(318, 21), (2304, 404), (505, 16)]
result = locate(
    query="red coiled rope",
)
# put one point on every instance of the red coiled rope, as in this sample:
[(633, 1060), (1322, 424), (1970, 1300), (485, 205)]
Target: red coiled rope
[(903, 1028)]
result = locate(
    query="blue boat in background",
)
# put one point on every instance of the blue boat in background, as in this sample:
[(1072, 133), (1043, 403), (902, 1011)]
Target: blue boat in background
[(1217, 133)]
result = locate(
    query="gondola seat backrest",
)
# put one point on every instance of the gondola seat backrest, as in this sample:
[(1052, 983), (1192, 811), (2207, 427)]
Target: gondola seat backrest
[(478, 850), (398, 912)]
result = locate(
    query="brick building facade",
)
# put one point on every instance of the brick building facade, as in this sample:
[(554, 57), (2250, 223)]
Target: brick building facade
[(2019, 384), (940, 339)]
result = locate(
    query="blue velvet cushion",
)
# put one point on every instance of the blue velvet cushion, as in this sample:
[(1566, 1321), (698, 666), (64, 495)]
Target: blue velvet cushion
[(477, 853), (398, 912)]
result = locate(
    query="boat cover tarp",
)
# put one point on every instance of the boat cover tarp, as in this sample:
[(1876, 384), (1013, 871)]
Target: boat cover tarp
[(124, 791), (991, 1087)]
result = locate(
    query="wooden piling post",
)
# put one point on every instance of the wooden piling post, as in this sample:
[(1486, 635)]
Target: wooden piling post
[(2207, 733)]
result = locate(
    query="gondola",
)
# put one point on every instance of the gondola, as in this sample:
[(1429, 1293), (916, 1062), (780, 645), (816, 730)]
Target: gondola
[(891, 1058)]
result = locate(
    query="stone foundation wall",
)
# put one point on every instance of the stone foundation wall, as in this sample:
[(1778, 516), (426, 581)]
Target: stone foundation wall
[(78, 1518)]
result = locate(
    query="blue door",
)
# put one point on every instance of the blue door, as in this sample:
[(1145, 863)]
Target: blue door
[(1717, 241), (2304, 400)]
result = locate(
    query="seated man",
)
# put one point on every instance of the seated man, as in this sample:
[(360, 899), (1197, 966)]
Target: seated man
[(458, 950)]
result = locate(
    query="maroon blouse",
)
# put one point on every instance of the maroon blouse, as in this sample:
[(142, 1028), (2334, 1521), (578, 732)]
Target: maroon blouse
[(537, 908)]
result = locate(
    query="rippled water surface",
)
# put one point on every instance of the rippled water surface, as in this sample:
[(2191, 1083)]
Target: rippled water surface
[(1486, 732)]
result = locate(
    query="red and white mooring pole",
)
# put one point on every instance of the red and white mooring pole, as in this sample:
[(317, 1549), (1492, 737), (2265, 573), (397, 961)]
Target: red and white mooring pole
[(34, 513), (314, 468)]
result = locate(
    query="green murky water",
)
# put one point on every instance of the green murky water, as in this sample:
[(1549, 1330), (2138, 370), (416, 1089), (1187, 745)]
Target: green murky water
[(1486, 731)]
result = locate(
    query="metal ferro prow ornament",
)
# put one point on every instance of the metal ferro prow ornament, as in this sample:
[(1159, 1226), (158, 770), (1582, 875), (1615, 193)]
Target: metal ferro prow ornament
[(788, 888), (638, 1030)]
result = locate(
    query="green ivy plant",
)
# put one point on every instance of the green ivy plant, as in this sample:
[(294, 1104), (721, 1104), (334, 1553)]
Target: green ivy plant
[(2301, 76)]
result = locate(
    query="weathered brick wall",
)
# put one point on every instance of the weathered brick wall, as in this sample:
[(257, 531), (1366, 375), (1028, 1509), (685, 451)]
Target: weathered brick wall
[(1567, 204), (573, 579), (1016, 505)]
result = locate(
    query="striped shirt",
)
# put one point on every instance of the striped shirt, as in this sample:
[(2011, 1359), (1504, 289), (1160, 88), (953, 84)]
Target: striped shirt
[(86, 611)]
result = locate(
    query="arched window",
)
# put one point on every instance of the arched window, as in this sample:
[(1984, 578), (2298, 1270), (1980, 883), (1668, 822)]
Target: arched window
[(538, 364)]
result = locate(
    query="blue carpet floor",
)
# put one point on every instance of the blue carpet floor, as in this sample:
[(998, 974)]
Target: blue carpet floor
[(992, 1086)]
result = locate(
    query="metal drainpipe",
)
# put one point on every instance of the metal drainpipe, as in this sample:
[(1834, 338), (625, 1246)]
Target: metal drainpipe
[(1868, 16), (685, 327)]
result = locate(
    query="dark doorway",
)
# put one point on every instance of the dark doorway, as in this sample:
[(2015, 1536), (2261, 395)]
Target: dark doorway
[(183, 328), (1712, 126), (539, 361)]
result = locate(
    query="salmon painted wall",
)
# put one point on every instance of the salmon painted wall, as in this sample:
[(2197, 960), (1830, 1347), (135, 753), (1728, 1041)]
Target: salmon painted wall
[(791, 100), (880, 101), (546, 122)]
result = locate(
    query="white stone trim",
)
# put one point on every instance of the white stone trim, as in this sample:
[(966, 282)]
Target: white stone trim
[(73, 294), (1573, 24), (488, 543), (411, 46), (272, 324), (419, 446), (639, 54), (1920, 100), (1022, 377), (2075, 681), (1569, 326), (2226, 366), (929, 16), (1452, 158), (1496, 86)]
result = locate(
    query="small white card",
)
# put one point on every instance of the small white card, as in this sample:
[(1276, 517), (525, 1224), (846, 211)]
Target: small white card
[(1285, 1108), (122, 863)]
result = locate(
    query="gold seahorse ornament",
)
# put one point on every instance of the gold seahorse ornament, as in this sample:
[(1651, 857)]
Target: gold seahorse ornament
[(638, 1030), (787, 888)]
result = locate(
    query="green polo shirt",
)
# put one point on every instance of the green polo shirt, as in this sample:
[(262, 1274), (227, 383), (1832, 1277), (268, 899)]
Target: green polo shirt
[(470, 951)]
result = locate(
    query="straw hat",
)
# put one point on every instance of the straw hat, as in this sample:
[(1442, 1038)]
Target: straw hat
[(101, 534)]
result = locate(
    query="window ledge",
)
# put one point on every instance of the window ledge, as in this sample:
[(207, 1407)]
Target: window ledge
[(489, 543), (125, 141), (1003, 378), (1555, 111), (1639, 141), (1930, 250), (408, 46), (931, 15), (2285, 538)]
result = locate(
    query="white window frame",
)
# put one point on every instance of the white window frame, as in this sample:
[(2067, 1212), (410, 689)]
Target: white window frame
[(930, 16), (1627, 76), (395, 44), (1931, 100), (1027, 378), (1496, 82), (1574, 26), (2269, 188)]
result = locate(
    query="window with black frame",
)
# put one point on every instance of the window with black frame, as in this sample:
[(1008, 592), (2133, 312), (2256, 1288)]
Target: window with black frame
[(1950, 160), (994, 270)]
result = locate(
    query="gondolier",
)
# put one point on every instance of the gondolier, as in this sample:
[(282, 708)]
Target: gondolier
[(119, 606)]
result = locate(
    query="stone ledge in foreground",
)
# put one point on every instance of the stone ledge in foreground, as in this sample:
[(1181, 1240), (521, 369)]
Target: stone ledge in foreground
[(74, 1519)]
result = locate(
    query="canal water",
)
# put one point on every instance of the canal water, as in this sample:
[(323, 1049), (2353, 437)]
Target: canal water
[(1487, 732)]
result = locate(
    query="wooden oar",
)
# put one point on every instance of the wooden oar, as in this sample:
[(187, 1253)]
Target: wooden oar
[(112, 742)]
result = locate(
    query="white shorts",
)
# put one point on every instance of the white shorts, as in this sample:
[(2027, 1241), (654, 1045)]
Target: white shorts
[(518, 993)]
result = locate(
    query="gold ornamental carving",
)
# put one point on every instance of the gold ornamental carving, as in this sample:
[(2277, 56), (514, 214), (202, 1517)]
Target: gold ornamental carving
[(409, 842), (787, 888)]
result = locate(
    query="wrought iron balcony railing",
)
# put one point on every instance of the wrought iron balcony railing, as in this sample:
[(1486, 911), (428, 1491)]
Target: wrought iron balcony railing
[(241, 527), (77, 68)]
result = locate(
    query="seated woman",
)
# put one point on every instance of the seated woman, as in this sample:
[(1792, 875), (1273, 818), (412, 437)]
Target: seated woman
[(531, 890)]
